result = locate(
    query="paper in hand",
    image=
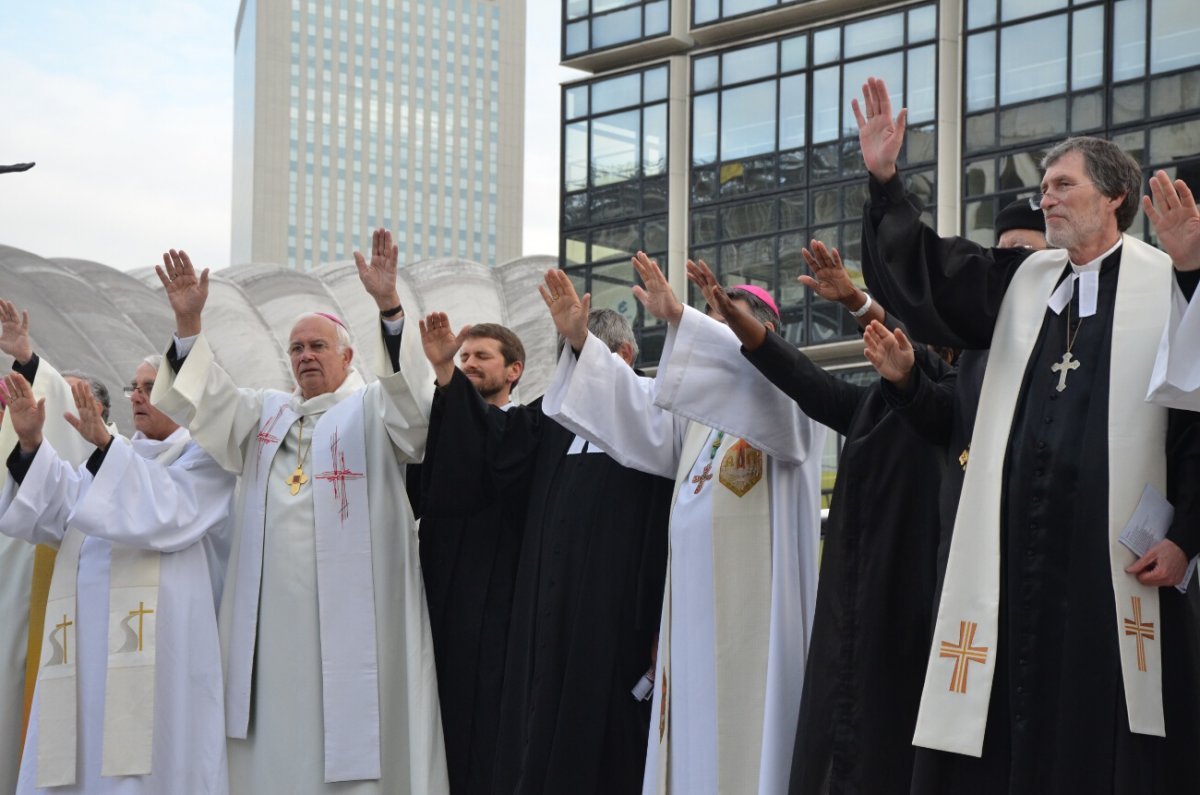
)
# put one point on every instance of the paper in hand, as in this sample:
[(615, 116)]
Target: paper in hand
[(1149, 524)]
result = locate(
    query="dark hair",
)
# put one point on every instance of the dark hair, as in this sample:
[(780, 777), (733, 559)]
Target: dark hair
[(510, 344), (1111, 170), (759, 308), (99, 390)]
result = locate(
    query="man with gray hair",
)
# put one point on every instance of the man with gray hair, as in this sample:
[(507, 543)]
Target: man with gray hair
[(1061, 661), (591, 557)]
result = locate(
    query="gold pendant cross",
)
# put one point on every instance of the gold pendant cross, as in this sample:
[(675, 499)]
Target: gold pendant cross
[(296, 480), (1067, 364), (703, 477)]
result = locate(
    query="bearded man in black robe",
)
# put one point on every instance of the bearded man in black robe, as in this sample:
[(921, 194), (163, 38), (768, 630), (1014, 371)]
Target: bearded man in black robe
[(1051, 638)]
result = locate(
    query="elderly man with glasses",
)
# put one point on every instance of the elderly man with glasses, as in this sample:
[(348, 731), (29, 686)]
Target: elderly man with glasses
[(1060, 661)]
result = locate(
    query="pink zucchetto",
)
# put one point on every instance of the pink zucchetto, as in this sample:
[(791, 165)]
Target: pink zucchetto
[(758, 293)]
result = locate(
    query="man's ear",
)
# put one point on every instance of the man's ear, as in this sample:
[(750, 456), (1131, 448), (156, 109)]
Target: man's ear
[(770, 326), (349, 357), (625, 351), (515, 370)]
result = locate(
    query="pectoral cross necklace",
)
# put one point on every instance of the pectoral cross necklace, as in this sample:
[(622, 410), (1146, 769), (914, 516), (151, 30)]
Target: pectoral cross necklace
[(298, 478), (706, 475), (1068, 362)]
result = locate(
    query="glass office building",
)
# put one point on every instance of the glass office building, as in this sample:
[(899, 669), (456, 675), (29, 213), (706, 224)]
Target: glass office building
[(759, 150), (355, 114)]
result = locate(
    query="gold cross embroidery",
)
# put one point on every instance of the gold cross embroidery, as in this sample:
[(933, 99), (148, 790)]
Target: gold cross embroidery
[(963, 655), (703, 477), (63, 626), (1143, 632), (141, 614)]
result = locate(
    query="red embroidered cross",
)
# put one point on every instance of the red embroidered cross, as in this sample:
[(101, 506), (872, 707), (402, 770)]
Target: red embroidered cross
[(265, 438), (339, 475)]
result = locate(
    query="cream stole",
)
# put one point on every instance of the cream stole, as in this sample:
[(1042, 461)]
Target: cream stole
[(128, 742), (346, 590), (958, 680), (742, 571)]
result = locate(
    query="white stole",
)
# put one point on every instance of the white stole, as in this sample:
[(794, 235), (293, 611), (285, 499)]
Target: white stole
[(962, 658), (742, 576), (1175, 382), (128, 742), (345, 592)]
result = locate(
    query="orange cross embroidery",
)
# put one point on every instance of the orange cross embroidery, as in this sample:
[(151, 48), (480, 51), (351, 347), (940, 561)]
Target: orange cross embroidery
[(1143, 632), (963, 655)]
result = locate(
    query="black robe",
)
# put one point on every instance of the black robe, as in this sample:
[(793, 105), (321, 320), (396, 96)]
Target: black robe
[(470, 535), (1057, 719), (871, 630), (586, 603)]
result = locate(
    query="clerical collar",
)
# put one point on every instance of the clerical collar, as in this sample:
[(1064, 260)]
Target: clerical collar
[(1088, 277)]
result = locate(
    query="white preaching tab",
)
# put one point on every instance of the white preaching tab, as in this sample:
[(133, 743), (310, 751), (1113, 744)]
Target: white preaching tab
[(1149, 524)]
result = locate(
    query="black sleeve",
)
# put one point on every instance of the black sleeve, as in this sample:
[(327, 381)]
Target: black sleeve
[(96, 459), (1183, 479), (826, 398), (927, 402), (174, 359), (1187, 281), (392, 342), (19, 463), (27, 370), (947, 291)]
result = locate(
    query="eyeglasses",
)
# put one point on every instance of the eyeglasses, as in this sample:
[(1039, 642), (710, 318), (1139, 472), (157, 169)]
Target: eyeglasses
[(1055, 192), (145, 388)]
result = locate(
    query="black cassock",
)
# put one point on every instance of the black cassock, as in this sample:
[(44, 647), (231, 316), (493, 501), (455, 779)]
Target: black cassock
[(1057, 721), (586, 597), (470, 536), (871, 631)]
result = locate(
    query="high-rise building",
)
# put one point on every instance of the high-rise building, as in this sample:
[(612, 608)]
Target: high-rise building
[(355, 114), (722, 130)]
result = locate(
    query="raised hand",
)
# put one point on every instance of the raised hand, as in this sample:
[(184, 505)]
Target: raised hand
[(1175, 219), (750, 332), (14, 337), (891, 354), (186, 291), (378, 276), (569, 312), (28, 414), (829, 277), (441, 344), (657, 296), (879, 135), (88, 421)]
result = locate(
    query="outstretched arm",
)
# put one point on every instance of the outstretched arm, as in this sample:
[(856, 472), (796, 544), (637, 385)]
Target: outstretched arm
[(187, 292), (830, 281)]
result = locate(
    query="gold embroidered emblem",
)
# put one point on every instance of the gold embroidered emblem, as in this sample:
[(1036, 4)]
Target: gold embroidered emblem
[(741, 468), (963, 654), (963, 457), (1143, 632), (662, 708)]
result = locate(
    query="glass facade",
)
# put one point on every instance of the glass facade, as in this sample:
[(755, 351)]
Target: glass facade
[(1040, 70), (614, 197), (591, 25), (775, 159), (707, 12)]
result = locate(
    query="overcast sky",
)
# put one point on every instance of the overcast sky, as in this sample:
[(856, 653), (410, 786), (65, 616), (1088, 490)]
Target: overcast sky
[(127, 109)]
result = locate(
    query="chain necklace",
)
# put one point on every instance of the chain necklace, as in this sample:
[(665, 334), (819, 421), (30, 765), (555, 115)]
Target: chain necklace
[(298, 478), (1069, 362)]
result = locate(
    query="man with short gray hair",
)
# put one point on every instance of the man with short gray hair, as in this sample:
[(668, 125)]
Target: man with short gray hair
[(1061, 661)]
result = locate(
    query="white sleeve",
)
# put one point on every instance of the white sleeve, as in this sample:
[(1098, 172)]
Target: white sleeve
[(143, 504), (1175, 381), (704, 376), (403, 399), (203, 398), (601, 398), (37, 509)]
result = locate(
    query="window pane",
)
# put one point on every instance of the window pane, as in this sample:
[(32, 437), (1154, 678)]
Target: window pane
[(1015, 9), (1087, 37), (704, 73), (922, 24), (577, 37), (577, 102), (576, 156), (1033, 60), (577, 9), (747, 220), (655, 85), (706, 11), (792, 111), (617, 27), (615, 147), (704, 129), (921, 90), (747, 64), (616, 241), (751, 262), (981, 71), (1129, 39), (873, 35), (654, 140), (575, 250), (857, 72), (704, 227), (748, 120), (980, 13), (794, 53), (658, 18), (827, 45), (734, 7), (1174, 35), (1175, 142), (826, 102), (600, 6), (617, 92)]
